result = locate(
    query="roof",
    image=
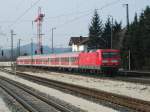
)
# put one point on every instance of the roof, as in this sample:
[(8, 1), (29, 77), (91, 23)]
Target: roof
[(77, 40), (84, 41)]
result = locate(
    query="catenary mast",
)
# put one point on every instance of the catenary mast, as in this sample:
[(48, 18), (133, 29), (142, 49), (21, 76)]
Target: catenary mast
[(39, 20)]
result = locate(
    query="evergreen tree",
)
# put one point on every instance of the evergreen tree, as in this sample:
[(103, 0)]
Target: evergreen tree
[(95, 32), (131, 42), (145, 29), (137, 40), (116, 39), (115, 30), (107, 34)]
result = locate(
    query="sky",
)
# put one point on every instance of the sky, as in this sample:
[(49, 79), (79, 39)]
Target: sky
[(69, 18)]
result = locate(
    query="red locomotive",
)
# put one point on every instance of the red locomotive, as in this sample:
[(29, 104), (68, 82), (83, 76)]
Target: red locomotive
[(101, 60)]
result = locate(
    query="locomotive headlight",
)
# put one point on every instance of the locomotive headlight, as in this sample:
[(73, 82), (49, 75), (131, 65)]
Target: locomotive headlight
[(114, 61), (105, 61)]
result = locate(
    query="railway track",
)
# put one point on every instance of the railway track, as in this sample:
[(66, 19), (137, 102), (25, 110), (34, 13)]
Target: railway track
[(29, 99), (141, 80), (131, 103), (133, 79), (130, 78)]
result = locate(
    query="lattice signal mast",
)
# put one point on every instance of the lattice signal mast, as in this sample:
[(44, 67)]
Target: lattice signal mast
[(39, 20)]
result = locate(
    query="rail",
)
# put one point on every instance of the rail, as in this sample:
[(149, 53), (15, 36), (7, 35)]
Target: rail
[(132, 103), (25, 104)]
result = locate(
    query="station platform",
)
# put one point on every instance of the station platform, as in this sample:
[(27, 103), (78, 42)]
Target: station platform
[(5, 64)]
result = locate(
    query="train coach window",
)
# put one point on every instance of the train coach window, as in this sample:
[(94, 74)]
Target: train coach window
[(48, 59), (52, 59), (73, 59), (110, 54), (57, 59)]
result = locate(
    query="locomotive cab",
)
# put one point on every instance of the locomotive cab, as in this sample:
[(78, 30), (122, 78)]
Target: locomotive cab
[(109, 60)]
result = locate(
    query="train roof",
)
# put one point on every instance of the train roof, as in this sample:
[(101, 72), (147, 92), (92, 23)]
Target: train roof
[(52, 55), (68, 54)]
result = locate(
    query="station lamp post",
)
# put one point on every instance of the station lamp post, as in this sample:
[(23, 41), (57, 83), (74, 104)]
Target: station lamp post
[(12, 53), (111, 30), (52, 39)]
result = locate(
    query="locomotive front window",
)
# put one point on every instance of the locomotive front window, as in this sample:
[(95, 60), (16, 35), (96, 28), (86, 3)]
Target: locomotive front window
[(110, 54)]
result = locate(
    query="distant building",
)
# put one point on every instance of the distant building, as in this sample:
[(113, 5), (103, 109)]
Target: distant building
[(79, 43)]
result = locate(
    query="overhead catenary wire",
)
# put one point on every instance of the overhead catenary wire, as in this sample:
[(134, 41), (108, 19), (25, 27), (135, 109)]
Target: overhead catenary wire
[(26, 11), (61, 15), (86, 13), (82, 14)]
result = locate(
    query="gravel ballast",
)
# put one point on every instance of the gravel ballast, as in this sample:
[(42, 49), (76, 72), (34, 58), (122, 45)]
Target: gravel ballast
[(3, 107), (10, 105), (78, 102), (134, 90)]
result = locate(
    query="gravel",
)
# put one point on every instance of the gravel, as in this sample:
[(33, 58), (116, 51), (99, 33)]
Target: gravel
[(9, 104), (134, 90), (76, 101)]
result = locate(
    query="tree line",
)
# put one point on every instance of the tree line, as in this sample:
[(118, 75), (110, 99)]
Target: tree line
[(137, 41), (101, 35), (135, 38)]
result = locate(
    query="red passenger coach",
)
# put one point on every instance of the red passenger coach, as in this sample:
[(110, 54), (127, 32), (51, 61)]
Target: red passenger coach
[(65, 60), (101, 60)]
